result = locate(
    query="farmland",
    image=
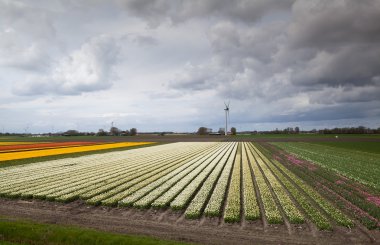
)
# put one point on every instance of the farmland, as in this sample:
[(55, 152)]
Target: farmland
[(10, 151), (228, 184), (361, 166)]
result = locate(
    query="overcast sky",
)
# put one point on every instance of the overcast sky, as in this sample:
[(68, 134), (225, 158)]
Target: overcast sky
[(163, 65)]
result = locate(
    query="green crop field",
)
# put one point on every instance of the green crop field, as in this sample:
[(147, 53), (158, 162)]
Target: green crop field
[(337, 173), (361, 166), (358, 146)]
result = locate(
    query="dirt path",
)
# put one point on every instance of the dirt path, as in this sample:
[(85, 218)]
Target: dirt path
[(167, 224)]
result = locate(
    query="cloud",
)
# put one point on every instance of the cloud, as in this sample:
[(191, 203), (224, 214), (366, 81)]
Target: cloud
[(342, 39), (277, 61), (84, 70), (326, 52), (155, 12), (25, 32), (145, 40), (195, 78)]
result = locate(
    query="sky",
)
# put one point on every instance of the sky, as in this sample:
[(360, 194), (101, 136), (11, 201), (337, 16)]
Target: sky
[(162, 65)]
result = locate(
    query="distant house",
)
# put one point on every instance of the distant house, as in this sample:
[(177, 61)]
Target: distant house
[(215, 133)]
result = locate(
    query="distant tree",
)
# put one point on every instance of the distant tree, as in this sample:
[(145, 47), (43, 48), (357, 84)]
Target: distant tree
[(233, 131), (115, 131), (101, 132), (202, 131), (297, 130), (71, 132), (133, 132), (221, 131)]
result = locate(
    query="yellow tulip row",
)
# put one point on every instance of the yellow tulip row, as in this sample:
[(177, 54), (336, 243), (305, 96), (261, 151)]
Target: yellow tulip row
[(67, 150)]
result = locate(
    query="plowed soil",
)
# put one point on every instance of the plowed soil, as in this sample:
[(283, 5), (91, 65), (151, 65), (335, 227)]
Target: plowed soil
[(167, 224)]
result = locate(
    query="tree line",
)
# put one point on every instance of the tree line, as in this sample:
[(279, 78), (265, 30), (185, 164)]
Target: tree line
[(114, 131), (344, 130), (207, 131)]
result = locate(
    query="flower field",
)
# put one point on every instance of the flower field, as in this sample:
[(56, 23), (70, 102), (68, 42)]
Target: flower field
[(234, 181), (349, 179), (9, 143), (360, 166), (14, 152), (14, 146)]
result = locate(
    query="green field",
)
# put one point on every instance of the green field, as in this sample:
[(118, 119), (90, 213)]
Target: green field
[(25, 232), (313, 136), (370, 147), (355, 164)]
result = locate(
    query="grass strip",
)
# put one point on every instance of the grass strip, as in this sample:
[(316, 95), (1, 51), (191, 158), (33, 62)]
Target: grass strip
[(16, 232)]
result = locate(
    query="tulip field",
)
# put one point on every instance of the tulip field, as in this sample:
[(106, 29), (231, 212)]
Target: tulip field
[(362, 166), (22, 150), (234, 181), (349, 179)]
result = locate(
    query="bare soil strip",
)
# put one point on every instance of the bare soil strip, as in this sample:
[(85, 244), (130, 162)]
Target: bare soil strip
[(168, 224)]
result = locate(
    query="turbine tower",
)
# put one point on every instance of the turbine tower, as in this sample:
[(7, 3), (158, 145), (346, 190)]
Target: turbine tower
[(227, 112)]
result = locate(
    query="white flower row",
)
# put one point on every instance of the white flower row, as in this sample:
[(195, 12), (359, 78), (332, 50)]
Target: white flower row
[(42, 171), (232, 209), (33, 187), (113, 196), (133, 182), (127, 175), (251, 207), (60, 165), (195, 208), (184, 197), (168, 196), (52, 174), (137, 173), (150, 192), (215, 203), (76, 182)]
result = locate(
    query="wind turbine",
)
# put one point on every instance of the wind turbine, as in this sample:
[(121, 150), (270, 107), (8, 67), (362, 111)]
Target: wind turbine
[(227, 112)]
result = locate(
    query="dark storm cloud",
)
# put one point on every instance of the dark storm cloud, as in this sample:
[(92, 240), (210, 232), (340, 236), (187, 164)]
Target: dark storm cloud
[(278, 61), (346, 111), (329, 24), (343, 38), (327, 50), (157, 11)]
